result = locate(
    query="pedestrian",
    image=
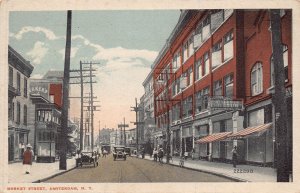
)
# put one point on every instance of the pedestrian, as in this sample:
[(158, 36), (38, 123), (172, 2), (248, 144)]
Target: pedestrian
[(234, 156), (181, 161), (22, 149), (104, 153), (193, 153), (155, 154), (27, 159), (160, 155)]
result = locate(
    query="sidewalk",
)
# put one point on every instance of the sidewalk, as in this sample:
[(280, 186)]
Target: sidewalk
[(39, 171), (240, 173)]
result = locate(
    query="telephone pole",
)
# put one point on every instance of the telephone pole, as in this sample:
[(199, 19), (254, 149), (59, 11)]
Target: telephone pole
[(136, 109), (65, 106), (279, 99), (123, 126)]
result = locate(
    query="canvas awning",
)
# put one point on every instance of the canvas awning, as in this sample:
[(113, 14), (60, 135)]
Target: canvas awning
[(250, 131), (213, 137)]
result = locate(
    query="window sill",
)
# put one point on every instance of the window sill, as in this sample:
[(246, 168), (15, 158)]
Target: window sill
[(187, 87), (226, 61), (202, 78), (257, 94), (188, 117), (202, 112)]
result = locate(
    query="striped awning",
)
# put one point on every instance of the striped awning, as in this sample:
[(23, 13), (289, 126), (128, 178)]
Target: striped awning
[(213, 137), (250, 130)]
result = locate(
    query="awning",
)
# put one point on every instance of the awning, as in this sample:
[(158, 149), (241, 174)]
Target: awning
[(213, 137), (250, 130)]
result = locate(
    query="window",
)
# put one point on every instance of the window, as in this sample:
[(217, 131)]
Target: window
[(187, 107), (18, 113), (198, 69), (176, 61), (228, 46), (217, 17), (198, 35), (227, 13), (216, 55), (25, 87), (206, 63), (223, 126), (191, 45), (176, 112), (201, 98), (11, 76), (256, 118), (218, 88), (285, 64), (256, 79), (185, 52), (177, 85), (201, 130), (206, 28), (189, 76), (18, 82), (25, 115), (228, 82)]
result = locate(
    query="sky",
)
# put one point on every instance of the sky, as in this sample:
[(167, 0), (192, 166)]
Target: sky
[(125, 43)]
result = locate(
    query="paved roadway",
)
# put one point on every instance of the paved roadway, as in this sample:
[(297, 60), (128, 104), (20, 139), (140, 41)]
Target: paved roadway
[(133, 170)]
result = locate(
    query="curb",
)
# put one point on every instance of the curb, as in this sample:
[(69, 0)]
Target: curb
[(54, 175), (208, 172)]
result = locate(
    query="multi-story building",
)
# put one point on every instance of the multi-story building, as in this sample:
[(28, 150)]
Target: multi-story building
[(18, 101), (132, 137), (141, 123), (149, 122), (213, 84), (45, 117)]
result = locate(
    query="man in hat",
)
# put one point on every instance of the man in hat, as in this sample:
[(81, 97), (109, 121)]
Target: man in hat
[(27, 158)]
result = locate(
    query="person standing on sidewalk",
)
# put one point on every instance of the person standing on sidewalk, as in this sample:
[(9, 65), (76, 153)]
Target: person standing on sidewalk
[(155, 154), (234, 156), (27, 159)]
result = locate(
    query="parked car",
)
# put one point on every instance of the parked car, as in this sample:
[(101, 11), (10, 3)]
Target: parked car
[(128, 151), (119, 153)]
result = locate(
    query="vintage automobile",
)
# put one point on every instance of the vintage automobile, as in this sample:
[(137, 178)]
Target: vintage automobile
[(119, 153), (87, 158), (128, 151)]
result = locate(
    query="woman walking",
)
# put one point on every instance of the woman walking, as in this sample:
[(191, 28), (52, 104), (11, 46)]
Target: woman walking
[(27, 159)]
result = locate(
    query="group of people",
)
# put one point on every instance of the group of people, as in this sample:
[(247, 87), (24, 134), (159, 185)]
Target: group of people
[(158, 153)]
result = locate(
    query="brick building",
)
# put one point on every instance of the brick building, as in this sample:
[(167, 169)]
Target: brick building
[(213, 84), (18, 101)]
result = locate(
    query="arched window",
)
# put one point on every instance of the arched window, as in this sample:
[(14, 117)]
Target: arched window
[(256, 79), (285, 64)]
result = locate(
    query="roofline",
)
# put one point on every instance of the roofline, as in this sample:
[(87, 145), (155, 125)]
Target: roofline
[(27, 63)]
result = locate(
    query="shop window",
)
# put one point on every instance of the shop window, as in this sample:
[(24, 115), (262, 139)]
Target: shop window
[(218, 88), (228, 83), (216, 55), (206, 63), (198, 69), (256, 79), (201, 100), (285, 64), (201, 130), (228, 46)]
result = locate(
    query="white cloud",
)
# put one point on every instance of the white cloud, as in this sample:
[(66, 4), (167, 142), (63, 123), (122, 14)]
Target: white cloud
[(48, 33), (38, 52), (36, 76)]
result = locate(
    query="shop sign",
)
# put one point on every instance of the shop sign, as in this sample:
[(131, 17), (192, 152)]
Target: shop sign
[(222, 103), (39, 89)]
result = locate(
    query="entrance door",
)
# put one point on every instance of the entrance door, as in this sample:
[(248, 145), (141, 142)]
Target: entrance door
[(11, 148), (222, 150)]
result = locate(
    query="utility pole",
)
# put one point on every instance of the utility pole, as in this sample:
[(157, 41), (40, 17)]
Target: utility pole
[(136, 110), (123, 126), (92, 107), (65, 105), (99, 133), (279, 98)]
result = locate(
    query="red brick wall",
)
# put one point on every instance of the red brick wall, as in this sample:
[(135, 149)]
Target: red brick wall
[(56, 90)]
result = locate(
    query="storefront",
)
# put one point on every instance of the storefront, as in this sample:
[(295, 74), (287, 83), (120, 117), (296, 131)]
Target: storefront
[(175, 141), (187, 139), (201, 129)]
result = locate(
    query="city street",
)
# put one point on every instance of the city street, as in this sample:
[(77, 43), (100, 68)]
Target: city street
[(133, 170)]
